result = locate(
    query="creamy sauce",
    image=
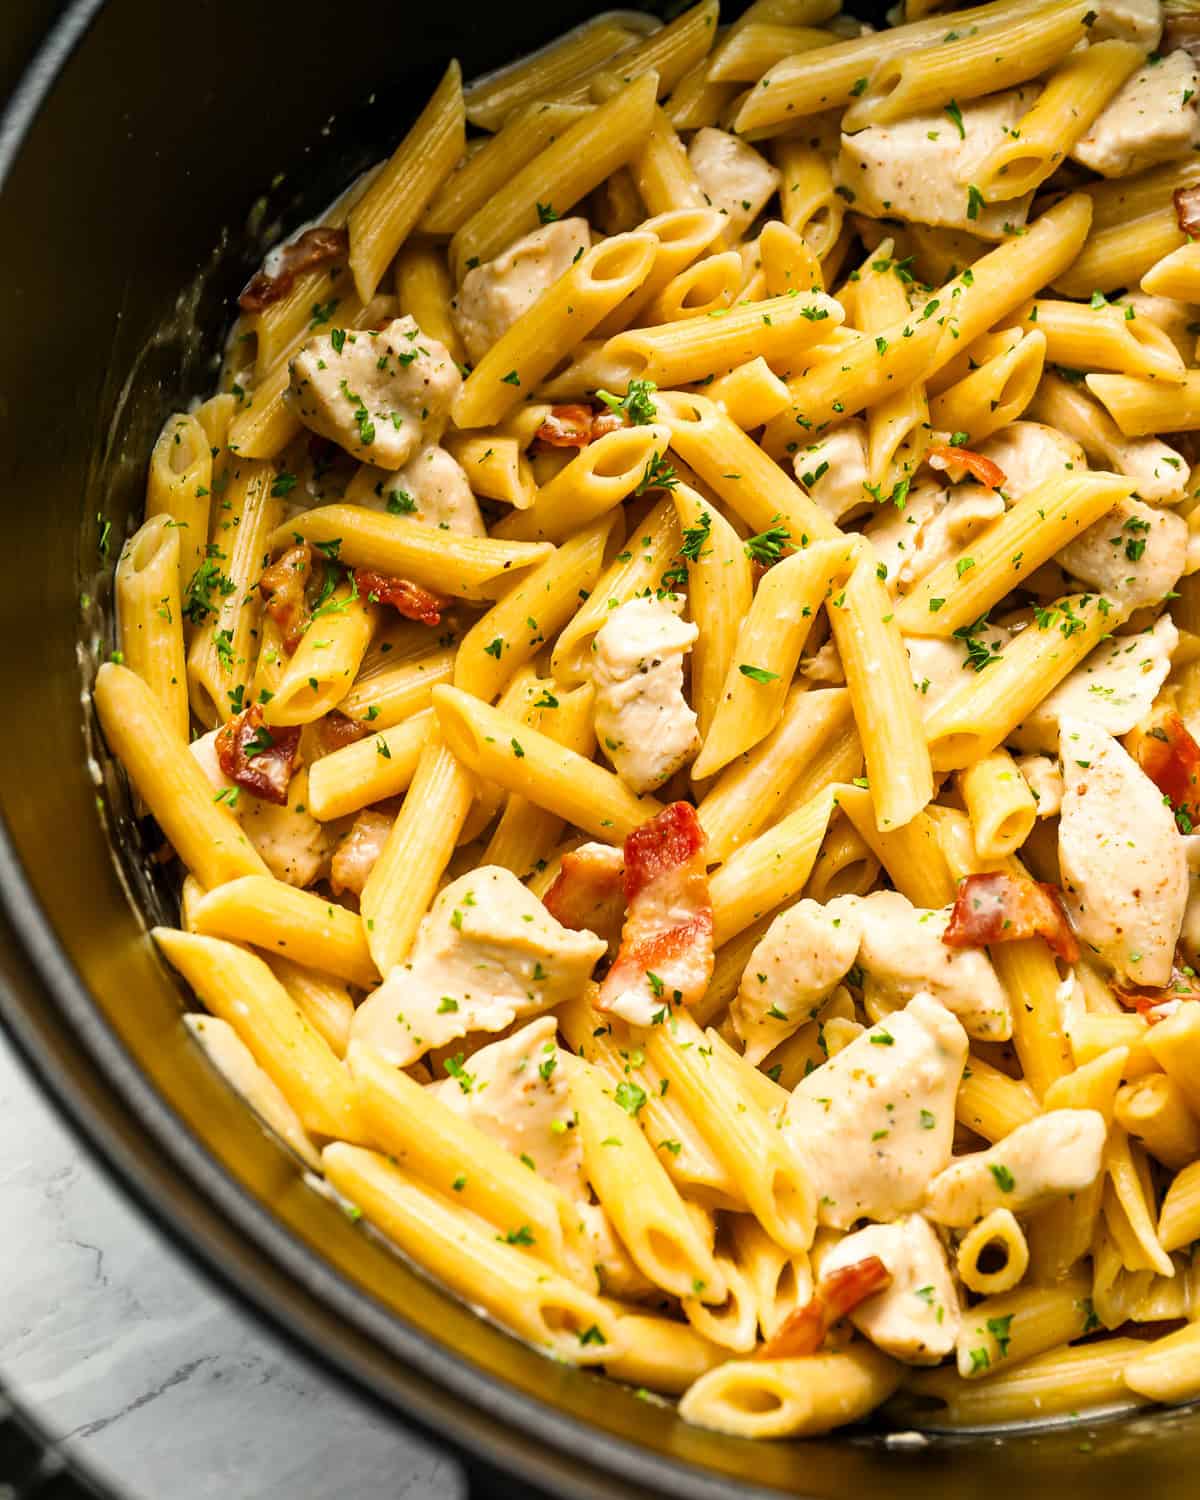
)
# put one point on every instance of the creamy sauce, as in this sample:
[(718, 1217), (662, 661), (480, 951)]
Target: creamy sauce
[(493, 296), (917, 1318)]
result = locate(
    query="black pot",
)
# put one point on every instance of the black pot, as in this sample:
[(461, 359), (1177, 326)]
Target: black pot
[(140, 155)]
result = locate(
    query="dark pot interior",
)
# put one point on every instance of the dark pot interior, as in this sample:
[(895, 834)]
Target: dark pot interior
[(134, 159)]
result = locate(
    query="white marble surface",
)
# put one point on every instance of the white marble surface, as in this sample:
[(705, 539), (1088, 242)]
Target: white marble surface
[(168, 1387)]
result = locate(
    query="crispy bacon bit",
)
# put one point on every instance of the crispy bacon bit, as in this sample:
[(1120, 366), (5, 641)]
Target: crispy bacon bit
[(1002, 908), (836, 1294), (258, 759), (666, 952), (589, 892), (1167, 753), (283, 587), (356, 854), (576, 426), (1156, 1005), (408, 599), (567, 427), (960, 461), (338, 730), (1187, 209), (315, 247)]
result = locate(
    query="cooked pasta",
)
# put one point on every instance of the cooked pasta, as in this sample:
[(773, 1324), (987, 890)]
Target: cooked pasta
[(610, 659)]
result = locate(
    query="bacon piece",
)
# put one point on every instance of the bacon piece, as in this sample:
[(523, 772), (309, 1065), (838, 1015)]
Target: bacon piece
[(577, 425), (803, 1330), (1184, 985), (1187, 209), (337, 730), (1167, 753), (258, 759), (1002, 908), (567, 427), (666, 952), (315, 247), (589, 892), (283, 587), (355, 856), (960, 461), (408, 599)]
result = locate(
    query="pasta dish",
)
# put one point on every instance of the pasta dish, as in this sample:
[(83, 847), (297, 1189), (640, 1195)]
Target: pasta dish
[(669, 667)]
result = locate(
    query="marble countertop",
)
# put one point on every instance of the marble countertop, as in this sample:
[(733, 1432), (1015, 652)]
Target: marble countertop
[(167, 1387)]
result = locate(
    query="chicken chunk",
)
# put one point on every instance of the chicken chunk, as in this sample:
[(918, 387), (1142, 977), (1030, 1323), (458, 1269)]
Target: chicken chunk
[(516, 1090), (876, 1122), (1123, 862), (1030, 453), (493, 296), (431, 488), (1138, 21), (1044, 778), (834, 469), (488, 953), (380, 396), (901, 954), (1151, 118), (643, 721), (1134, 555), (737, 180), (939, 667), (916, 1318), (794, 969), (1055, 1154), (920, 167), (357, 853), (1113, 688)]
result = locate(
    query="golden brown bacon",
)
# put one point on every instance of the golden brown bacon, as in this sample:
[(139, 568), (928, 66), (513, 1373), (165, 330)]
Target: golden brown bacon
[(836, 1294), (408, 599), (576, 426), (1184, 985), (1170, 757), (258, 759), (589, 891), (336, 730), (1187, 209), (666, 952), (315, 247), (1002, 908), (960, 461), (284, 589)]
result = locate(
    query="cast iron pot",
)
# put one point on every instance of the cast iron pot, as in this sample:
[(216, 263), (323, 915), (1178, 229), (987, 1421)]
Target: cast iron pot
[(147, 155)]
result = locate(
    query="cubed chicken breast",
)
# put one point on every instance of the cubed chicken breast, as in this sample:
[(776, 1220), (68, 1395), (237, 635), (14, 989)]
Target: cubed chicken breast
[(487, 954), (1134, 555), (493, 296), (737, 180), (876, 1122), (380, 396), (1123, 862), (643, 722), (1151, 118)]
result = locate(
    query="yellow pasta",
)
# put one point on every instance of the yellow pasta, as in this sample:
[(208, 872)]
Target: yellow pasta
[(1140, 406), (846, 866), (1179, 1218), (375, 768), (995, 394), (1103, 338), (179, 486), (791, 1397), (769, 869), (149, 618), (1014, 1326), (1176, 275), (885, 702), (425, 292), (240, 989), (991, 1103), (571, 166), (203, 832), (325, 1001), (1075, 93), (767, 651), (1000, 805), (326, 661), (545, 1309), (564, 315), (997, 1235)]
